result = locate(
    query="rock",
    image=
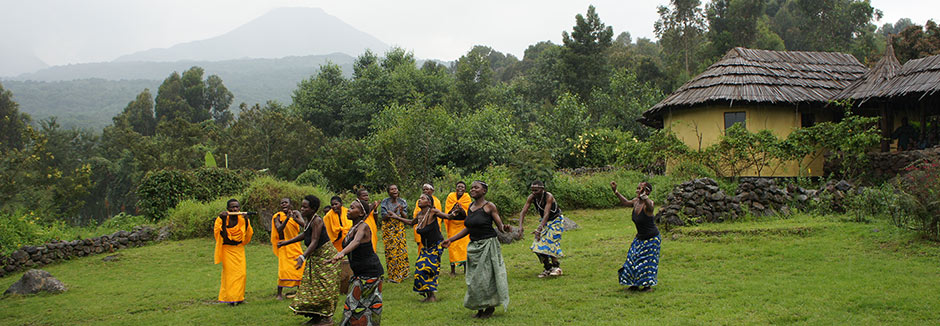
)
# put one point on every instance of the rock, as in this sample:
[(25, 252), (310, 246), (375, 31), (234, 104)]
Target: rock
[(30, 250), (508, 237), (570, 225), (36, 280), (111, 258), (163, 234), (9, 268), (757, 206), (20, 256)]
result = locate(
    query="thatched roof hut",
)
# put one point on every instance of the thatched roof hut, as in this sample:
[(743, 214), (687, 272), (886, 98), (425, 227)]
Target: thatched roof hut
[(919, 77), (763, 76), (876, 81)]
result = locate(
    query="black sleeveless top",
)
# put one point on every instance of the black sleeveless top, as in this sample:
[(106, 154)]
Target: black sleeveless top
[(555, 212), (430, 234), (480, 224), (363, 261), (308, 235), (645, 225)]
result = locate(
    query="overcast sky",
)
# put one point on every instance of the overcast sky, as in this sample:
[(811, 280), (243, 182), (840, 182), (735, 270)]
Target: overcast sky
[(77, 31)]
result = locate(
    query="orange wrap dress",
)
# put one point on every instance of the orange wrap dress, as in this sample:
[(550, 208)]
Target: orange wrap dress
[(337, 226), (458, 249), (287, 275), (232, 257)]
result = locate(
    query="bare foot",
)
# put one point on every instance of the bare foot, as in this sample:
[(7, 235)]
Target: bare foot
[(488, 312), (431, 298), (279, 297)]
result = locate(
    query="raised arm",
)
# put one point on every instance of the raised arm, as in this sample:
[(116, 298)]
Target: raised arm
[(299, 237), (299, 219), (623, 200), (453, 215)]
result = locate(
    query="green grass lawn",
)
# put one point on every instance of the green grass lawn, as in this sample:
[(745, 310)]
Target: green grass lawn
[(802, 270)]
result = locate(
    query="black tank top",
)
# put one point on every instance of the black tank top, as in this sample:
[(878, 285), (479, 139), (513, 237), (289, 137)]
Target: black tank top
[(363, 261), (645, 225), (480, 224), (540, 206), (430, 234), (308, 235)]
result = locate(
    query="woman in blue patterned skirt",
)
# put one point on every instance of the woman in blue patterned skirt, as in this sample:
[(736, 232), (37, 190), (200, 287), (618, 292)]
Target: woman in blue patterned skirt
[(642, 265)]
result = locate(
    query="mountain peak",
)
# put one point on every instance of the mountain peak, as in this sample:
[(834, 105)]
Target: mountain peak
[(281, 32)]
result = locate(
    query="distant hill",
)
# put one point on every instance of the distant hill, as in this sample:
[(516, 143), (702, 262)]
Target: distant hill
[(279, 33), (89, 95), (15, 61)]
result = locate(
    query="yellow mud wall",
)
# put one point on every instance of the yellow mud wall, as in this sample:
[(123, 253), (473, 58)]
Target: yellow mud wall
[(701, 126)]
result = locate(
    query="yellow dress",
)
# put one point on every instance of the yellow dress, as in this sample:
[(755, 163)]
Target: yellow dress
[(437, 204), (232, 257), (287, 275), (458, 249), (337, 226), (370, 220)]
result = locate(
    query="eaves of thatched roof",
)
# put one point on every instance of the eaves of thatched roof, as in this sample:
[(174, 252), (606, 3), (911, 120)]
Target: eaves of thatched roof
[(876, 81), (764, 76), (919, 77)]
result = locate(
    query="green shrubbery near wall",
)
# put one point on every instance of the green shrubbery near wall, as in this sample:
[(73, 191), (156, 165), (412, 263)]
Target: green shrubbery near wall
[(161, 190), (192, 218)]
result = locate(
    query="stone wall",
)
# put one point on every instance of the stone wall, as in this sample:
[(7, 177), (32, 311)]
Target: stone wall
[(33, 256), (701, 200), (886, 165)]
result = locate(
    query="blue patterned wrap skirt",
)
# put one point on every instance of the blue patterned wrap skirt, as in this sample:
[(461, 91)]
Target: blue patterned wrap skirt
[(549, 242), (428, 268), (642, 263)]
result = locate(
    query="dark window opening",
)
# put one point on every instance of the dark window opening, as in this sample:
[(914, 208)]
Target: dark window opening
[(807, 120), (734, 117)]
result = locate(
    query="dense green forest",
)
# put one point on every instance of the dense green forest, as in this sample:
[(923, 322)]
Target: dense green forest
[(392, 120)]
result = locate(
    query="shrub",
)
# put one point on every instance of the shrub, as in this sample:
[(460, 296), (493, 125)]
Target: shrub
[(593, 190), (311, 177), (22, 228), (922, 184), (191, 218), (502, 191), (161, 190)]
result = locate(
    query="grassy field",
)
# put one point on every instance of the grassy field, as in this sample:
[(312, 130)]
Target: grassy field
[(802, 270)]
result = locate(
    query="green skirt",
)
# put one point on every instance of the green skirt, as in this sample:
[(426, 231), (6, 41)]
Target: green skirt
[(319, 287), (486, 276)]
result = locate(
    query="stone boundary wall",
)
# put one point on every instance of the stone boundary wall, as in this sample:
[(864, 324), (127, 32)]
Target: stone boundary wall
[(701, 200), (33, 256), (886, 165)]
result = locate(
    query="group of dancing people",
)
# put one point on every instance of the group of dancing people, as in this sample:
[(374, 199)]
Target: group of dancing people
[(313, 269)]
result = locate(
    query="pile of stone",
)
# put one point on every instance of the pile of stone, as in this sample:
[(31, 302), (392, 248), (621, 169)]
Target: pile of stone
[(699, 200), (886, 165), (761, 196), (32, 256)]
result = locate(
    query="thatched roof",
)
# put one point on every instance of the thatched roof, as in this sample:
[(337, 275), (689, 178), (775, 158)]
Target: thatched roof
[(764, 76), (874, 82), (919, 77)]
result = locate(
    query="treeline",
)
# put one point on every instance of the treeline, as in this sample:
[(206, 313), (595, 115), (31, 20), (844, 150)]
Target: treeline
[(392, 121)]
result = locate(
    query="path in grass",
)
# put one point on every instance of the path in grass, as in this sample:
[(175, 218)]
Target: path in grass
[(801, 270)]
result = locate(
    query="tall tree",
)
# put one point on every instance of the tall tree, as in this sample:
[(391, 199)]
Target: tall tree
[(917, 42), (13, 123), (320, 100), (823, 25), (681, 31), (473, 76), (733, 23), (193, 99), (584, 53), (138, 115)]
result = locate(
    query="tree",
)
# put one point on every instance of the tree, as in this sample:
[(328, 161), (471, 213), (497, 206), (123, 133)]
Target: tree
[(586, 64), (823, 25), (681, 31), (473, 76), (13, 123), (270, 137), (138, 115), (733, 23), (917, 42), (193, 99), (320, 100)]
